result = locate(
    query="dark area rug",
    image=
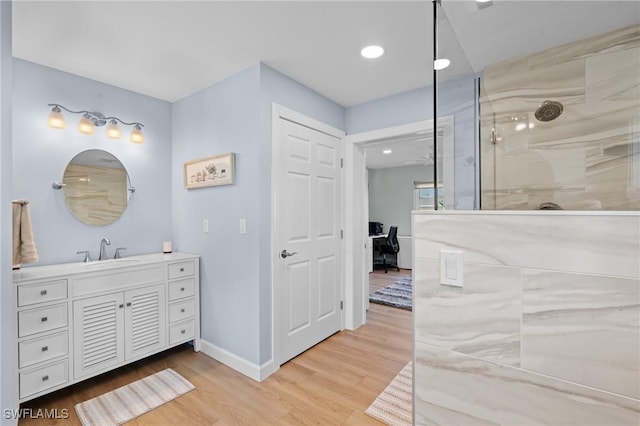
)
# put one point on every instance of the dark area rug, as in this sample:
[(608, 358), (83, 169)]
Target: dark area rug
[(399, 294)]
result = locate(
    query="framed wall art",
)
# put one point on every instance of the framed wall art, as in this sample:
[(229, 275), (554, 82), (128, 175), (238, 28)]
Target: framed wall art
[(210, 171)]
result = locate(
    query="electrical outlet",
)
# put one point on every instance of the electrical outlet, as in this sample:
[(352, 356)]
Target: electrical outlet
[(205, 225)]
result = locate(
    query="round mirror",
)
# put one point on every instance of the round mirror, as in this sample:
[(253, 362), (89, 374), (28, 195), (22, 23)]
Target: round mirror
[(96, 187)]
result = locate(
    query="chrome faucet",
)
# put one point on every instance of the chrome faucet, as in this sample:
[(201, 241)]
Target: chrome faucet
[(103, 248)]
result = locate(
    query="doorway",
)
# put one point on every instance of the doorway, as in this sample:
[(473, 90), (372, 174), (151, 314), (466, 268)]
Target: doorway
[(411, 146)]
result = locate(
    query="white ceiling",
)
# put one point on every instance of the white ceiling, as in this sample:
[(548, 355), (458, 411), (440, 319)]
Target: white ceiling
[(172, 49), (408, 150)]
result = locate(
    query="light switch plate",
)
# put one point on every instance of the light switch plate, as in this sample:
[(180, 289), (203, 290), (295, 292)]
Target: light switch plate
[(451, 268), (205, 225), (243, 226)]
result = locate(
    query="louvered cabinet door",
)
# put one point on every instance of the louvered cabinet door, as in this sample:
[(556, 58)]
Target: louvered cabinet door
[(145, 320), (98, 333)]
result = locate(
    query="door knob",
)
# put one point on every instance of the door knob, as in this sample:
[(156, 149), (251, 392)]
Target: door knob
[(284, 254)]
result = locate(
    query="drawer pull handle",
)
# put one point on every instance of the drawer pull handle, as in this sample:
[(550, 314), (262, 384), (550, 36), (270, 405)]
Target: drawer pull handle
[(45, 378), (43, 292), (45, 348), (43, 319), (183, 331), (128, 303), (182, 311), (181, 288), (181, 269), (121, 306)]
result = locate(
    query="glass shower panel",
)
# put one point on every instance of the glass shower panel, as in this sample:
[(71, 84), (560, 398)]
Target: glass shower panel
[(456, 111), (559, 124)]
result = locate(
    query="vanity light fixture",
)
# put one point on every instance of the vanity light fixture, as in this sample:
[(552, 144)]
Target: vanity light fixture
[(113, 131), (85, 126), (56, 119), (91, 120)]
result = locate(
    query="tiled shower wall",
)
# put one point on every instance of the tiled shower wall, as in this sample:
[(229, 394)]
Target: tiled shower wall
[(546, 329), (586, 159)]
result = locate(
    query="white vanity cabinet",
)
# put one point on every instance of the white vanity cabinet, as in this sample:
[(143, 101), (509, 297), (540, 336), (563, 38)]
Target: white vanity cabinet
[(118, 327), (43, 336), (78, 320)]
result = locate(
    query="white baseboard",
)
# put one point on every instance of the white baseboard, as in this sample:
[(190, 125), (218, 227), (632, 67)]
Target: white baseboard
[(241, 365)]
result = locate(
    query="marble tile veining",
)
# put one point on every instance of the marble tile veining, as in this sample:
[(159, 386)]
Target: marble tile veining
[(583, 328), (453, 388), (481, 319), (587, 244), (598, 81)]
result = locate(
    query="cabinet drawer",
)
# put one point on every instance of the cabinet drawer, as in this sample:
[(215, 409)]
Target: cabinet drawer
[(182, 269), (44, 378), (42, 292), (181, 310), (182, 288), (43, 348), (182, 331), (42, 319)]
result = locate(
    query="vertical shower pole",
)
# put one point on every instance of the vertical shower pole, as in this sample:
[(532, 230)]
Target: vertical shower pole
[(436, 3)]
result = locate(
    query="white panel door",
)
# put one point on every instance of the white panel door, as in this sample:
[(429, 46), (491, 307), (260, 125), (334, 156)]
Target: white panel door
[(307, 226)]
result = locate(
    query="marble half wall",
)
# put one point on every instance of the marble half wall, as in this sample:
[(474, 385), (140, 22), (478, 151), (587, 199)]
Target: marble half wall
[(545, 330)]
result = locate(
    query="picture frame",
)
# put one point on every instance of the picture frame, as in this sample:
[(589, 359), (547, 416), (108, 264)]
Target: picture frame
[(216, 170)]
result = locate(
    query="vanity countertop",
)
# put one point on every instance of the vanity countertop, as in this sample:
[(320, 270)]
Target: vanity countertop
[(77, 268)]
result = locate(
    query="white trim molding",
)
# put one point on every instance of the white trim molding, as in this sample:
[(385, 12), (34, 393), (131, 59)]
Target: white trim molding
[(241, 365)]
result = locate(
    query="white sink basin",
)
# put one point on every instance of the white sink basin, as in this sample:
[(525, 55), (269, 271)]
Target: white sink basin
[(110, 263)]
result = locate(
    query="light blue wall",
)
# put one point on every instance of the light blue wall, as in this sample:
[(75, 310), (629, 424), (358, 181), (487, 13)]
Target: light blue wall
[(40, 155), (455, 97), (394, 110), (275, 87), (235, 116), (222, 118), (7, 376), (391, 194)]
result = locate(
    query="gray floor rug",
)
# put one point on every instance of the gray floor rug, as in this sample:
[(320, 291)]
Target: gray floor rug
[(129, 401), (399, 294), (393, 406)]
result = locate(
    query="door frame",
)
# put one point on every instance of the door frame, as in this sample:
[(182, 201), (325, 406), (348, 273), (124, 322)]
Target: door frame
[(280, 112), (355, 236)]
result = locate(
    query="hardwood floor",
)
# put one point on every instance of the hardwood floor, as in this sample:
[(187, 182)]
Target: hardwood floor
[(378, 279), (330, 384)]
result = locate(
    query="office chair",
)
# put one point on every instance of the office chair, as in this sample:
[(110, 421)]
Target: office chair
[(390, 247)]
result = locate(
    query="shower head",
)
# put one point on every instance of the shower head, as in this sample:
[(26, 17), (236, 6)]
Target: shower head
[(549, 110)]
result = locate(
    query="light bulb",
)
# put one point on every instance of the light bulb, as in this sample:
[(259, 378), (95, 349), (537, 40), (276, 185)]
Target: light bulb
[(113, 131), (85, 126), (372, 52), (136, 135), (440, 64), (56, 119)]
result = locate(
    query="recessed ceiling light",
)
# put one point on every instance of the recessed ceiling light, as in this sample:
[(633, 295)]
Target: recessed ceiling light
[(483, 1), (440, 64), (372, 52), (387, 151)]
